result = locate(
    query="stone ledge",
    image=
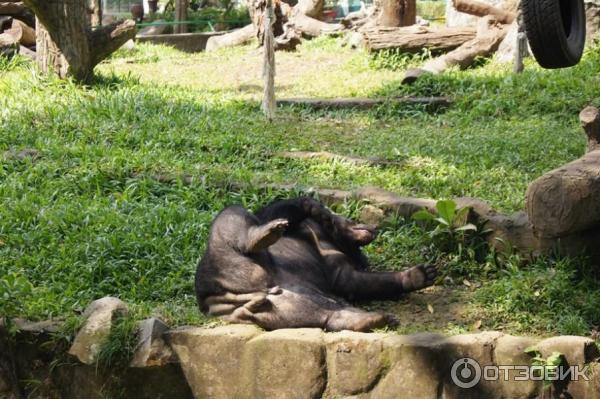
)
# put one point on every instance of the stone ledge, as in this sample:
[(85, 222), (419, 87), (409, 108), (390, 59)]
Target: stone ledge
[(242, 361)]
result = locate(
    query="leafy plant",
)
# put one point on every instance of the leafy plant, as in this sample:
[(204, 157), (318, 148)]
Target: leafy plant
[(549, 365), (451, 224)]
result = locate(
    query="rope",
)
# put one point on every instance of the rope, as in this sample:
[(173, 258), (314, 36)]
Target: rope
[(268, 104)]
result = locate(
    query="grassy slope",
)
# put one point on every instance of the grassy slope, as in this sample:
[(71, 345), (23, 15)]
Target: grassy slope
[(81, 221)]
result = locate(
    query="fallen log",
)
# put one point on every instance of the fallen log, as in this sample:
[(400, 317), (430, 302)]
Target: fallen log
[(12, 8), (489, 37), (413, 39), (235, 38), (364, 103), (311, 27), (22, 33), (480, 9)]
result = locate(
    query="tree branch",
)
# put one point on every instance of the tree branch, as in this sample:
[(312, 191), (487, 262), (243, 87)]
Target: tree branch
[(480, 9), (107, 39)]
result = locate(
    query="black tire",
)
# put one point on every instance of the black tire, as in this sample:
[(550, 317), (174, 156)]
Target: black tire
[(555, 30)]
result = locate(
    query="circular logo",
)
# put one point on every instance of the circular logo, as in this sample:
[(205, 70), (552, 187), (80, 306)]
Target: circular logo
[(466, 373)]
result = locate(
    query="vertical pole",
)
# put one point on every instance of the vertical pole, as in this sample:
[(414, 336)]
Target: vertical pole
[(521, 47), (268, 104), (181, 7)]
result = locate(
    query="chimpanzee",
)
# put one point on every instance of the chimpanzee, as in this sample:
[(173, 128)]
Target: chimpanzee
[(296, 264)]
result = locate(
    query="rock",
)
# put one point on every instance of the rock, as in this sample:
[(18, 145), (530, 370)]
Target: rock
[(566, 200), (210, 358), (479, 347), (128, 46), (372, 215), (413, 367), (510, 351), (151, 349), (512, 232), (287, 363), (592, 12), (333, 197), (355, 362), (392, 203), (577, 350), (479, 207), (99, 315)]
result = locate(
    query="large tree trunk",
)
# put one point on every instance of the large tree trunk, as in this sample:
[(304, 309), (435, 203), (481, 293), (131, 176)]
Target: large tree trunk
[(395, 13), (67, 44), (181, 14), (413, 39)]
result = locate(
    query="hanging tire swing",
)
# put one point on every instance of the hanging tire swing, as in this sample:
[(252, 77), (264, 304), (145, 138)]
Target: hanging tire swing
[(555, 30)]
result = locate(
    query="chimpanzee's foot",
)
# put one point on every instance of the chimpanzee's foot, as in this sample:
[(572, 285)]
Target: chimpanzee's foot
[(261, 237), (418, 277), (356, 320)]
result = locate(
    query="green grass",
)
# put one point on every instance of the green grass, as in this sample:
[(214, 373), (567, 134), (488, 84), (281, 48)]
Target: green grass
[(84, 218)]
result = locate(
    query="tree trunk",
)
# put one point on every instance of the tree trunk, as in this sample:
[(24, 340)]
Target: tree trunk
[(413, 39), (181, 14), (395, 13), (67, 44)]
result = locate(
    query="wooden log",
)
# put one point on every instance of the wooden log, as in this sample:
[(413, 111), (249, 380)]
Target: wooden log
[(480, 9), (363, 103), (13, 9), (235, 38), (489, 36), (22, 33), (313, 27), (590, 122), (413, 39), (7, 40)]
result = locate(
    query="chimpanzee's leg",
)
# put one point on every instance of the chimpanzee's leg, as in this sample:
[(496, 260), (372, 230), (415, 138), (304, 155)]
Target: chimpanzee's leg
[(262, 236), (297, 210), (352, 284)]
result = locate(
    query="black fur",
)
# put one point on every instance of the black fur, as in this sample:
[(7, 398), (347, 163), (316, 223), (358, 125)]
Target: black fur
[(295, 264)]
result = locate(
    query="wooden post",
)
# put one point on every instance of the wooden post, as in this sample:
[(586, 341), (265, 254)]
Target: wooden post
[(181, 14), (269, 104), (521, 47)]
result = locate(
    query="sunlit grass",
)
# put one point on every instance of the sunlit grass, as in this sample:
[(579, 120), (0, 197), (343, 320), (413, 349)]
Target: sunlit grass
[(84, 217)]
